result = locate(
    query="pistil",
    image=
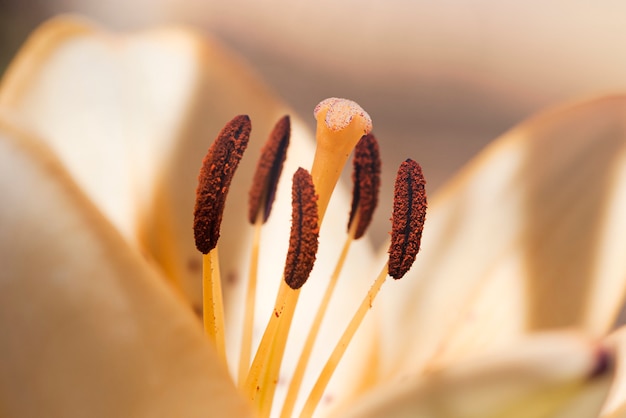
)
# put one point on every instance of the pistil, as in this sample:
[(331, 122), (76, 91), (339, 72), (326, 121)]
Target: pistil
[(340, 125)]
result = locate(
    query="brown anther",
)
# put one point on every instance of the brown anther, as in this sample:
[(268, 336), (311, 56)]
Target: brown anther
[(366, 179), (303, 240), (268, 170), (409, 214), (216, 174)]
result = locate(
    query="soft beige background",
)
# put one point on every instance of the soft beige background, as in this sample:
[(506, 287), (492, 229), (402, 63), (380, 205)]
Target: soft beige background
[(441, 78)]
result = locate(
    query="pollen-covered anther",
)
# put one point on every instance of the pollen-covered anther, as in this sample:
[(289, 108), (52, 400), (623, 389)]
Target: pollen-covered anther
[(303, 241), (268, 170), (216, 174), (409, 214), (366, 179)]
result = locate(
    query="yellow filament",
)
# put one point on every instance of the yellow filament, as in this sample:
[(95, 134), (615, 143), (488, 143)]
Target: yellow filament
[(285, 306), (335, 357), (296, 381), (274, 361), (212, 303), (248, 322)]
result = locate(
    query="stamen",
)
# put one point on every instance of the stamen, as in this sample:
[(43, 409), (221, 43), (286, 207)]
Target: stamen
[(268, 170), (366, 178), (216, 174), (409, 211), (340, 125), (218, 168), (303, 241), (262, 194), (409, 214), (263, 377)]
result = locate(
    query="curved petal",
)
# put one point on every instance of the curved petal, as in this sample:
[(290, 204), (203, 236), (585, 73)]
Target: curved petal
[(528, 237), (88, 328), (119, 111), (559, 375), (615, 406)]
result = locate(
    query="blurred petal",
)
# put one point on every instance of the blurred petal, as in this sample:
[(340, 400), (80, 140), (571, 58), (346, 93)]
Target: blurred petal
[(554, 375), (616, 404), (88, 327), (131, 118), (618, 413), (528, 237)]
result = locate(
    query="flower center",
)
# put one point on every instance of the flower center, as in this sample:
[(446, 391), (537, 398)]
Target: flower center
[(341, 125)]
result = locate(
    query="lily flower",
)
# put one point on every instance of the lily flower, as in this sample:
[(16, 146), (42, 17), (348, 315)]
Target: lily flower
[(101, 140)]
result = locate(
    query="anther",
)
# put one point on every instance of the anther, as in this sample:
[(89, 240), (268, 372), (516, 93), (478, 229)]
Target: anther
[(216, 174), (407, 221), (303, 240), (268, 170), (366, 179)]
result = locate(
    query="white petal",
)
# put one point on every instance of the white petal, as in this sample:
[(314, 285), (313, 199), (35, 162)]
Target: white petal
[(544, 376), (131, 117), (616, 404), (528, 237), (88, 326)]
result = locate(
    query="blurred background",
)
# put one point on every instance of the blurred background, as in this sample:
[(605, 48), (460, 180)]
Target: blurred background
[(440, 78)]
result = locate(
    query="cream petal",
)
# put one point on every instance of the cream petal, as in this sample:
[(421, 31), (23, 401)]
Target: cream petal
[(528, 237), (131, 117), (615, 406), (122, 113), (88, 327), (618, 413), (553, 375)]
